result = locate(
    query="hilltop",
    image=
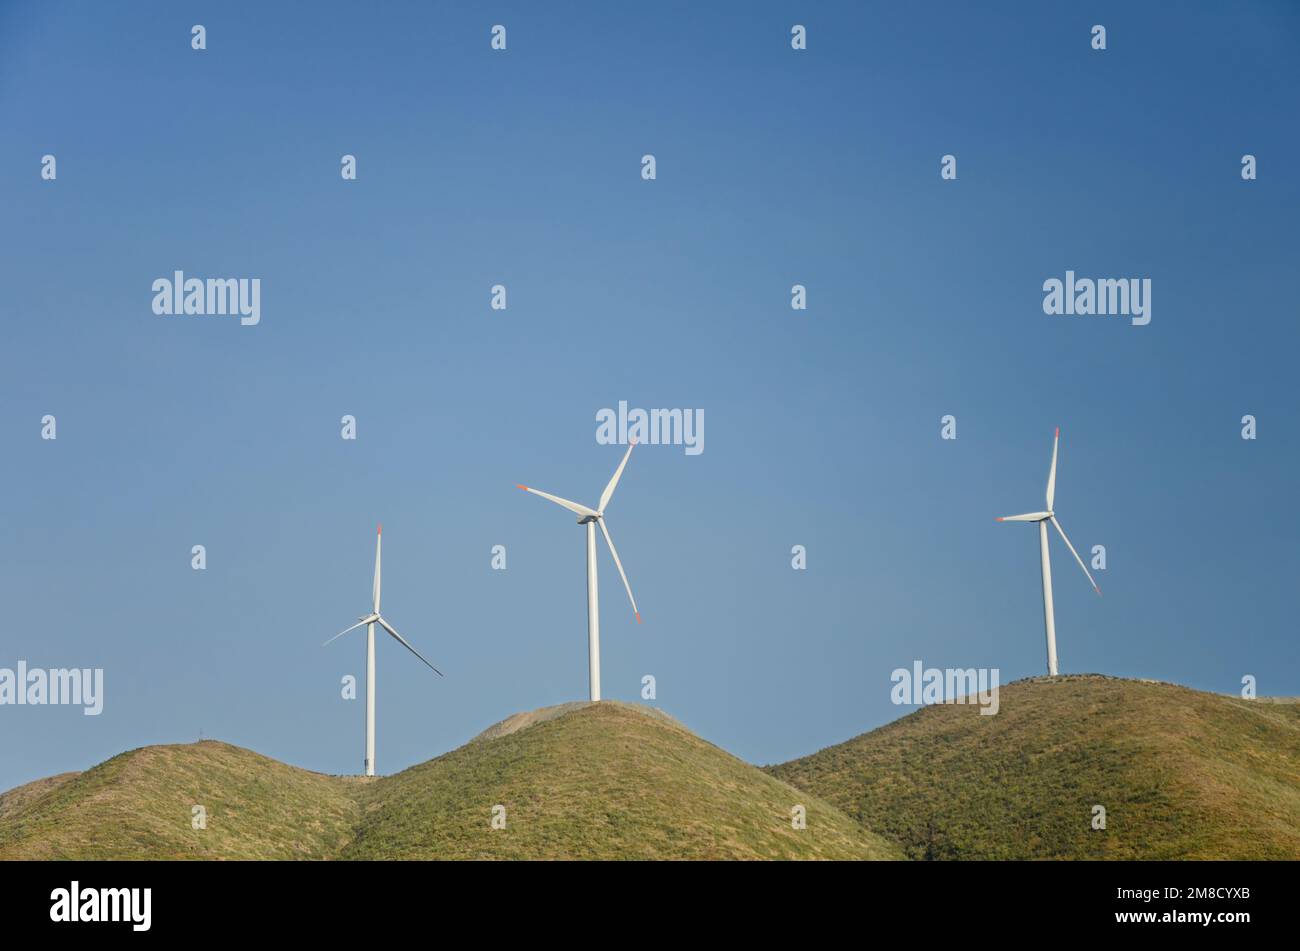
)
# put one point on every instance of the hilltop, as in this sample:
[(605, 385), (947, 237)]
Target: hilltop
[(139, 804), (1180, 773), (605, 780)]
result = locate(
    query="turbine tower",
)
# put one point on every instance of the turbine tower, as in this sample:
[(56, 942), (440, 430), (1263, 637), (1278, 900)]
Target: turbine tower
[(369, 621), (591, 518), (1042, 518)]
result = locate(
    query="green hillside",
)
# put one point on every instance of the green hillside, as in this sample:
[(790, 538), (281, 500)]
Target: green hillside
[(1181, 774), (579, 781), (604, 780), (140, 805)]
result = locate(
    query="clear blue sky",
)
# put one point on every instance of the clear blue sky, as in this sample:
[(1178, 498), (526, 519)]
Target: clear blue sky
[(822, 428)]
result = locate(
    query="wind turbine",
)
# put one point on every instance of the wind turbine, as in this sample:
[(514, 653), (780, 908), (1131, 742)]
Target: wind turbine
[(1042, 518), (591, 518), (369, 621)]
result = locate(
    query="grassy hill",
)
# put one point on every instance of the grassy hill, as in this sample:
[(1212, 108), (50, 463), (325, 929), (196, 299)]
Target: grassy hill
[(603, 781), (580, 781), (139, 805), (1181, 774)]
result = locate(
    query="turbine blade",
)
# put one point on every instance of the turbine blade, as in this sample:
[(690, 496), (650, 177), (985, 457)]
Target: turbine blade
[(618, 564), (613, 483), (573, 507), (1051, 474), (401, 640), (1075, 554), (361, 623), (1027, 517), (379, 538)]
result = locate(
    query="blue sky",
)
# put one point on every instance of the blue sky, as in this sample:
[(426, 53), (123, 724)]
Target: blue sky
[(775, 167)]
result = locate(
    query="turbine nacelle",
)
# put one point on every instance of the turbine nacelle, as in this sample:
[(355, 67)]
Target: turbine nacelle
[(1027, 517)]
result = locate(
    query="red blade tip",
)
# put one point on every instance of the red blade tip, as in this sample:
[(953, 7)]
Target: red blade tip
[(638, 616), (524, 487), (381, 529)]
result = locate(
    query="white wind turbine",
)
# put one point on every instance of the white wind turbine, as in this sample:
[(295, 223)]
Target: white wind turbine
[(1042, 518), (369, 622), (591, 518)]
